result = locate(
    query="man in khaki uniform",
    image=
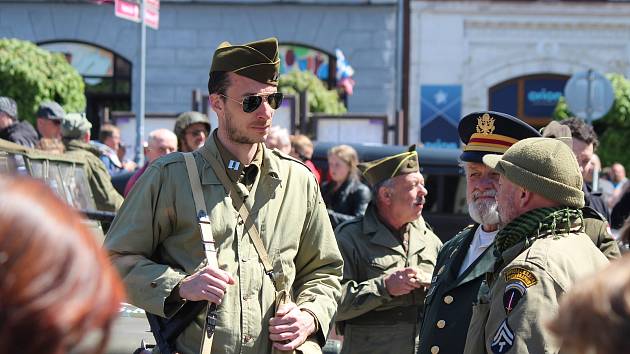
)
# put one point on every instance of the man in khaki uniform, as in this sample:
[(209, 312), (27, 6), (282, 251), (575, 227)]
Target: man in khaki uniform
[(75, 130), (155, 240), (541, 249), (389, 255)]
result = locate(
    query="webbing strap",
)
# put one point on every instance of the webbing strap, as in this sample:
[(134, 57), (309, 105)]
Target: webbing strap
[(207, 240), (243, 211)]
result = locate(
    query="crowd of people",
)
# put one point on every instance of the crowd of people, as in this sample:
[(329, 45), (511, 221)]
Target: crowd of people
[(280, 255)]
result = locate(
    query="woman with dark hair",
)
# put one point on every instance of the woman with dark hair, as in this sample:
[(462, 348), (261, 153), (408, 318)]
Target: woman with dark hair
[(345, 196), (58, 292)]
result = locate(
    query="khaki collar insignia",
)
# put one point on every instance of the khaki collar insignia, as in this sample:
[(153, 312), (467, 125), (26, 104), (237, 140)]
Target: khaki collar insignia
[(485, 124)]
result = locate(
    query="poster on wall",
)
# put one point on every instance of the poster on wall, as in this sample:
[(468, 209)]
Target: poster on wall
[(295, 57), (440, 111)]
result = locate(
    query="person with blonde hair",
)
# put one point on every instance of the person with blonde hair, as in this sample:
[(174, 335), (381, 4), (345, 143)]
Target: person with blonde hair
[(346, 197), (302, 149), (594, 317), (59, 292)]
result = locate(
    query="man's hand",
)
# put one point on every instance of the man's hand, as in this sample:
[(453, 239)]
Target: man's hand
[(207, 284), (402, 282), (290, 327)]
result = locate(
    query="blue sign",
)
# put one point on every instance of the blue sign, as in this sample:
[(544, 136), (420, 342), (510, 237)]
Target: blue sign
[(541, 97), (440, 111)]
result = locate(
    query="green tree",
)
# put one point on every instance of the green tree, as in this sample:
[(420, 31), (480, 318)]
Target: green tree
[(30, 75), (613, 128), (320, 99)]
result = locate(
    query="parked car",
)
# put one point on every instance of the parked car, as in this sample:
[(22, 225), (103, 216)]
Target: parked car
[(445, 209)]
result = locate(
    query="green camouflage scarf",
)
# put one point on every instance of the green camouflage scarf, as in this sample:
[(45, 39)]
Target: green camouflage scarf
[(536, 224)]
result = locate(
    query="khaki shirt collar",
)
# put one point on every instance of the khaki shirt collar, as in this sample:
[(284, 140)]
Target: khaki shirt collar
[(236, 170), (384, 236)]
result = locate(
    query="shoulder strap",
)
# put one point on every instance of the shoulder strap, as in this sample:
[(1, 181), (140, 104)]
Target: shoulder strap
[(202, 215), (250, 227), (208, 244)]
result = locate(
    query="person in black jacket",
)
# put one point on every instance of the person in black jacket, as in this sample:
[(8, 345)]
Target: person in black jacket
[(346, 197), (19, 132)]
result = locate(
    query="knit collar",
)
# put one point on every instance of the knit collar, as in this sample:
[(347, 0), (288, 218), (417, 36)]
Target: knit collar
[(537, 223)]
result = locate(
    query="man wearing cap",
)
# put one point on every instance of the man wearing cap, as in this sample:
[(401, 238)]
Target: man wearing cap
[(192, 129), (19, 132), (540, 250), (49, 117), (582, 139), (75, 129), (155, 239), (465, 258), (389, 255)]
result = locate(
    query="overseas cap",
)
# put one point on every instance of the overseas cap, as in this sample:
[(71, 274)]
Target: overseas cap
[(186, 119), (256, 60), (544, 166), (489, 132), (50, 110), (75, 125), (8, 106), (558, 131), (391, 166)]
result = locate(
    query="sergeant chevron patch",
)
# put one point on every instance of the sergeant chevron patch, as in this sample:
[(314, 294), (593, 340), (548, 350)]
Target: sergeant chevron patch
[(503, 339)]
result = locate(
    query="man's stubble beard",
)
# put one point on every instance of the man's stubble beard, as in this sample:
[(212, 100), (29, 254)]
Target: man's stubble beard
[(233, 133)]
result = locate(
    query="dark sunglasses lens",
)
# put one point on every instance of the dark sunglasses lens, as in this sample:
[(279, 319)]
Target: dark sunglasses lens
[(275, 100), (250, 103)]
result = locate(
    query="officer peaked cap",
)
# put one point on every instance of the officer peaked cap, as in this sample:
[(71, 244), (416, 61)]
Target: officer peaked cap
[(488, 132)]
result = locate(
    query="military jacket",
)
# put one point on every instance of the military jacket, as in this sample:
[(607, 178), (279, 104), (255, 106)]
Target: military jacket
[(448, 304), (515, 301), (155, 242), (597, 228), (105, 195), (371, 319)]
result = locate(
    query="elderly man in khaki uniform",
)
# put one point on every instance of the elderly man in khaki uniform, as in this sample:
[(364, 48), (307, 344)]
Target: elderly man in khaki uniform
[(541, 249), (75, 129), (389, 255), (155, 239)]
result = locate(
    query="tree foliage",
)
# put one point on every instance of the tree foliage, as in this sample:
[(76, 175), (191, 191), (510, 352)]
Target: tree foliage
[(320, 99), (613, 129), (30, 75)]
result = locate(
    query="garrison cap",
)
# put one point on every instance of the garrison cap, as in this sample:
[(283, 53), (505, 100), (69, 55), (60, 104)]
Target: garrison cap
[(388, 167), (74, 125), (488, 132), (544, 166), (8, 106), (51, 110), (558, 131), (258, 60)]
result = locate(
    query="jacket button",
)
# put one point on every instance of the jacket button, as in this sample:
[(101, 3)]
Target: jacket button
[(448, 299), (153, 284), (435, 349), (441, 324)]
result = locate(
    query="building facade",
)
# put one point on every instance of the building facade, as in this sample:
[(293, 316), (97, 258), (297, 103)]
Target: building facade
[(512, 56)]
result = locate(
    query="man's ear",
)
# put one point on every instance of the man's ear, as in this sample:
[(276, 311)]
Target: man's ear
[(525, 197), (385, 195), (216, 103)]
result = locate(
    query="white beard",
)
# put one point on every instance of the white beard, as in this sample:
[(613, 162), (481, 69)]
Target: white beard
[(484, 211)]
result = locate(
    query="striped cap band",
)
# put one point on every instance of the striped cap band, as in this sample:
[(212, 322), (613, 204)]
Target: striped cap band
[(489, 143)]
